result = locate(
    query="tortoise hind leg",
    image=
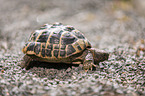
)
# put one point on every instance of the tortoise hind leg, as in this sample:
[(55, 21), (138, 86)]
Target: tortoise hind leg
[(25, 61), (88, 62)]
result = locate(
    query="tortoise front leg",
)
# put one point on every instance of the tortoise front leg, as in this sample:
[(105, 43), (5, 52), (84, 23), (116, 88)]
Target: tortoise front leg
[(25, 61), (88, 62)]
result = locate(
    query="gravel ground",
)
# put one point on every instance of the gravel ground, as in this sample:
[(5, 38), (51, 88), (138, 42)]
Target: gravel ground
[(117, 26)]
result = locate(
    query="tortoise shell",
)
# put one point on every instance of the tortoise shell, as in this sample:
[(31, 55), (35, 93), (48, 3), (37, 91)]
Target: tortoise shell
[(56, 41)]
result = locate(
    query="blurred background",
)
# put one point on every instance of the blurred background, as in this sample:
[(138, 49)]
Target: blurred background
[(106, 23)]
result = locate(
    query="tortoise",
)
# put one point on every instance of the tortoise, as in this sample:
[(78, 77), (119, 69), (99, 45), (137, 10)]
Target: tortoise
[(59, 43)]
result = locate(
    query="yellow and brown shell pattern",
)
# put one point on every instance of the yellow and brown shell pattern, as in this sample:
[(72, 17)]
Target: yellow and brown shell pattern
[(55, 41)]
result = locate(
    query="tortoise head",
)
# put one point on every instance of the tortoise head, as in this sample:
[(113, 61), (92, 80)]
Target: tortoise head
[(99, 55)]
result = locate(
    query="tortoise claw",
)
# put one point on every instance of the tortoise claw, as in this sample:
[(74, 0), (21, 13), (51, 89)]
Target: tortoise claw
[(89, 66)]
